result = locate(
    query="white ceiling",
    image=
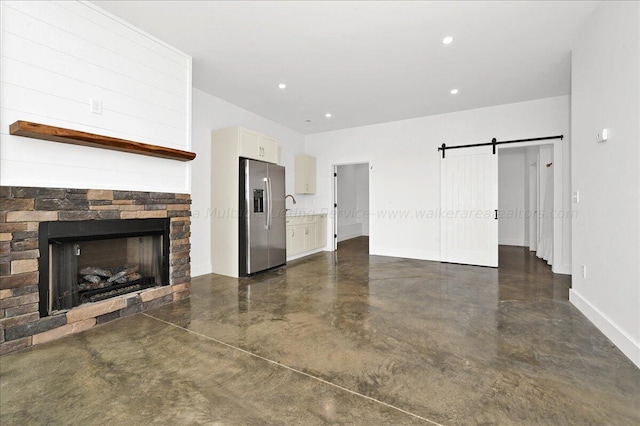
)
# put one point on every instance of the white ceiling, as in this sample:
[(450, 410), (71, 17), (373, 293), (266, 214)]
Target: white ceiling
[(367, 62)]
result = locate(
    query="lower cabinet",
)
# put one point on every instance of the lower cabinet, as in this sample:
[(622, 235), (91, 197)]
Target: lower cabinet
[(311, 236), (295, 239), (306, 233)]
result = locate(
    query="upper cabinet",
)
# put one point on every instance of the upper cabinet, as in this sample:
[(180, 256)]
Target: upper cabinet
[(258, 147), (305, 174)]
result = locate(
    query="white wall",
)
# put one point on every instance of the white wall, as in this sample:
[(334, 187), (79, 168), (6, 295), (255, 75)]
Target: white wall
[(405, 175), (606, 229), (211, 113), (362, 192), (58, 55), (511, 196)]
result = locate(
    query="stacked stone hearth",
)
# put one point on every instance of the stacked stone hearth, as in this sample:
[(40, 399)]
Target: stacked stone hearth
[(21, 211)]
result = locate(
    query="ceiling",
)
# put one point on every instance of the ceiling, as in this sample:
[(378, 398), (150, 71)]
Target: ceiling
[(367, 62)]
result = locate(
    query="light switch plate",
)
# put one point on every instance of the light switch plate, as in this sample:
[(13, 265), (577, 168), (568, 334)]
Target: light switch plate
[(96, 106)]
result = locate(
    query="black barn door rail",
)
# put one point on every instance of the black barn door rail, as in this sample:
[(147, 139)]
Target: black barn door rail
[(494, 143)]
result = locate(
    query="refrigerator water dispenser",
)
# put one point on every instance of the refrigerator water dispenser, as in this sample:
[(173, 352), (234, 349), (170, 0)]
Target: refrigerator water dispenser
[(258, 200)]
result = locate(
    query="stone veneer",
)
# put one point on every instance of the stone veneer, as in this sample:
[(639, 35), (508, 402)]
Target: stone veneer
[(21, 211)]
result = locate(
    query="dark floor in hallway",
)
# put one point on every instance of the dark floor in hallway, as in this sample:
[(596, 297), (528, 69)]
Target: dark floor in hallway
[(342, 338)]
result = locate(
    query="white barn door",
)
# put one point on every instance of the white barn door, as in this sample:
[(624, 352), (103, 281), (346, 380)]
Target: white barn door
[(469, 200)]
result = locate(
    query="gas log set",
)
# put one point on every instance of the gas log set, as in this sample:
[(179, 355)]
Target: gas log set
[(98, 283)]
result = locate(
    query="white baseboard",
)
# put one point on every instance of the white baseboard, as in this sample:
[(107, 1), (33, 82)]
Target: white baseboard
[(304, 254), (562, 269), (511, 242), (407, 254), (619, 337), (201, 269), (342, 238)]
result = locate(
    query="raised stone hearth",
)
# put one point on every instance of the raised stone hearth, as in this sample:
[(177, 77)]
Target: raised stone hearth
[(21, 211)]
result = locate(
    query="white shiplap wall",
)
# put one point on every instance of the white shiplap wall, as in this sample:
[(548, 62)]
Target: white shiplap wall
[(56, 56)]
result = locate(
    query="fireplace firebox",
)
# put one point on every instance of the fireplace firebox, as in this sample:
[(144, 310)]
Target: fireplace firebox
[(88, 261)]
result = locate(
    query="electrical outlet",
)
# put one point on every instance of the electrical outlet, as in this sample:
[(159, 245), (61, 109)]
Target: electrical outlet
[(603, 135), (584, 271), (96, 106)]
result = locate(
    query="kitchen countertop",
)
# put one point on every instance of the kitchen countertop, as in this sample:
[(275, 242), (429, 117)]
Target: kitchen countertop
[(295, 213)]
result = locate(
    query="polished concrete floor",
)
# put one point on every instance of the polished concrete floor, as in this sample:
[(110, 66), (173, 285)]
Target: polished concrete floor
[(338, 339)]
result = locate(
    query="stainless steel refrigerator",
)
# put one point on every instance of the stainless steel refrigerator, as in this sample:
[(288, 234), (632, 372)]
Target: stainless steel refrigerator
[(262, 233)]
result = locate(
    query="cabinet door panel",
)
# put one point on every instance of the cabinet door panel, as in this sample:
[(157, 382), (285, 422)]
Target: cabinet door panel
[(311, 175), (299, 239), (322, 231), (269, 150), (311, 236), (250, 145), (305, 174), (295, 239), (290, 242), (299, 176)]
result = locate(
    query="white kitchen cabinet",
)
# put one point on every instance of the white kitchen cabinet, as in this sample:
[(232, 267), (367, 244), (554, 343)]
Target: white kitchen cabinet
[(227, 146), (270, 150), (258, 147), (295, 239), (322, 230), (305, 174), (306, 235), (311, 235)]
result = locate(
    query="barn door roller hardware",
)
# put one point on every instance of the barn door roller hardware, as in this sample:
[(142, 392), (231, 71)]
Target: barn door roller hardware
[(494, 143)]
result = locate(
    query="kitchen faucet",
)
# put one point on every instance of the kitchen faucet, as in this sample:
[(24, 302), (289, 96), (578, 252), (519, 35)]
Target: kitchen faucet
[(292, 197)]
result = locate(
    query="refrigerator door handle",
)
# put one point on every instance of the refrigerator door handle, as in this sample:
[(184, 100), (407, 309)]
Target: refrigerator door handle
[(267, 201), (247, 221), (270, 206)]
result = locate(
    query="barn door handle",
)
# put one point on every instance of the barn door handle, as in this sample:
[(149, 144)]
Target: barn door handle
[(496, 217)]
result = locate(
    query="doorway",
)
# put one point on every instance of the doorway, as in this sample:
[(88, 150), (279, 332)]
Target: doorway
[(526, 199), (470, 204), (351, 203)]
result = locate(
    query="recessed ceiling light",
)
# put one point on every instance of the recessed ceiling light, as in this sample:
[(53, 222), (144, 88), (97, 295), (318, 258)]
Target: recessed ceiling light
[(328, 115), (447, 40), (282, 86), (454, 91)]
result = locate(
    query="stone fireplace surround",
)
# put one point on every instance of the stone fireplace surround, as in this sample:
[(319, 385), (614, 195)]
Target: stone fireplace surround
[(21, 211)]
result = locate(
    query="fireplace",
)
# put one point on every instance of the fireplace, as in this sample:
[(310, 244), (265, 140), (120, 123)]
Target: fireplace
[(72, 259), (89, 261)]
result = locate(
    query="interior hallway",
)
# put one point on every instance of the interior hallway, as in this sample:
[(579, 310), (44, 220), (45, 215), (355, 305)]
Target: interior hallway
[(352, 339)]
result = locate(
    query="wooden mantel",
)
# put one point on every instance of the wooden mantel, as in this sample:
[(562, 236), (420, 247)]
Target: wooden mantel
[(75, 137)]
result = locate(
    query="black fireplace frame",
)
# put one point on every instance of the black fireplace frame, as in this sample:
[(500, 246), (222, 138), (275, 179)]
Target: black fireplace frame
[(73, 231)]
